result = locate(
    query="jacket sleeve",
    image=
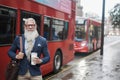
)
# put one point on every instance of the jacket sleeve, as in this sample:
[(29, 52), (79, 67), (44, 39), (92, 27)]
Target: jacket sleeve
[(13, 49), (46, 56)]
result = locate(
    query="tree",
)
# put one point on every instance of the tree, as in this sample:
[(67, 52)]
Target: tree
[(115, 16)]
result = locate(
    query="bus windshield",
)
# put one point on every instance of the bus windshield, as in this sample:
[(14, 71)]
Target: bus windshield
[(80, 32)]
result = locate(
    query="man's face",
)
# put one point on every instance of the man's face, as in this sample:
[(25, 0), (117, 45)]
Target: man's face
[(30, 25)]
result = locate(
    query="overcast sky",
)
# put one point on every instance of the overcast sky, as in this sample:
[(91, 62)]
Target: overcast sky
[(95, 6)]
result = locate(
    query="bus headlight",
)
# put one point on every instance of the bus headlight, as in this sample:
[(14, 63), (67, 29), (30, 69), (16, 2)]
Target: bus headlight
[(83, 43)]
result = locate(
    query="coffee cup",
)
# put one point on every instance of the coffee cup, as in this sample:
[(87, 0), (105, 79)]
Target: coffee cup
[(33, 56)]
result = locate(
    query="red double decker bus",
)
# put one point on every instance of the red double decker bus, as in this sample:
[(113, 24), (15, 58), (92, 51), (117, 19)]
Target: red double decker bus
[(55, 20), (87, 35)]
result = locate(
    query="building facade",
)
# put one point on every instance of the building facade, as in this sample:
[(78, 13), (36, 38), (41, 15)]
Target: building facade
[(79, 8)]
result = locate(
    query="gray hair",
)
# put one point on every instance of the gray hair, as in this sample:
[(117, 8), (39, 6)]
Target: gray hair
[(29, 19)]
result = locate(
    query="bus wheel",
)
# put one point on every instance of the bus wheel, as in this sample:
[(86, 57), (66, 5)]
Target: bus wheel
[(57, 62)]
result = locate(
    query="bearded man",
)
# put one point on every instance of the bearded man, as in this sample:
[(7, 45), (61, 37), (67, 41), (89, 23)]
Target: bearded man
[(33, 44)]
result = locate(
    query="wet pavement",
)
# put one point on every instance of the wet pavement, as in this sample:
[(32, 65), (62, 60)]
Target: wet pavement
[(95, 66)]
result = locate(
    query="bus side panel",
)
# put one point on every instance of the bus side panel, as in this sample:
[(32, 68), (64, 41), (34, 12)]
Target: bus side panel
[(94, 35), (4, 60)]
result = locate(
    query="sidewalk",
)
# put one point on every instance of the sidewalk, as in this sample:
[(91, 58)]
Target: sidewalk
[(111, 62)]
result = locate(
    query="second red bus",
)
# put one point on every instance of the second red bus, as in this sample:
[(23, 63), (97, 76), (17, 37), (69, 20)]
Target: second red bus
[(87, 35)]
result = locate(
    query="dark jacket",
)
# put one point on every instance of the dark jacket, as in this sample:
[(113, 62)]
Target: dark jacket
[(40, 47)]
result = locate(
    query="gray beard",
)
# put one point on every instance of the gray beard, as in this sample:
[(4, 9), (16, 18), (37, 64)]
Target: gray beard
[(31, 35)]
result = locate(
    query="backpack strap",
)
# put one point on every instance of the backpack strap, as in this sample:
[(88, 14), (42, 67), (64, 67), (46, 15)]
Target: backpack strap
[(21, 47)]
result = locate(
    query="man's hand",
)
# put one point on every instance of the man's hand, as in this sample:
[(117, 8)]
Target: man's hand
[(20, 55), (37, 60)]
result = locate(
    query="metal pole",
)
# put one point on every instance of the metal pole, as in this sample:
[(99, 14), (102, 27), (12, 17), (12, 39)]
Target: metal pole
[(102, 28)]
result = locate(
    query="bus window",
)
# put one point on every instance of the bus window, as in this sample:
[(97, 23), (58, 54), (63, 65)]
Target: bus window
[(7, 25), (46, 31), (47, 28), (65, 30), (58, 29), (25, 15), (80, 32)]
